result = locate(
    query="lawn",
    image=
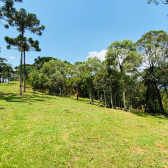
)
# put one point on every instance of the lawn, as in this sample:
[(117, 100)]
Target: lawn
[(39, 130)]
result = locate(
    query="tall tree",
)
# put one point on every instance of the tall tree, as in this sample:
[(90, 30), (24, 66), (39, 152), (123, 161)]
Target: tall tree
[(7, 71), (28, 45), (155, 60), (55, 75), (77, 77), (2, 65), (124, 56), (39, 61), (25, 21), (90, 68), (101, 81)]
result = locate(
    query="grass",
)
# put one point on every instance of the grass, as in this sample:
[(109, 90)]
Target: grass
[(39, 130)]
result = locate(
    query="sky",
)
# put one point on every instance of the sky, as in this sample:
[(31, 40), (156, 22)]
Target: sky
[(78, 29)]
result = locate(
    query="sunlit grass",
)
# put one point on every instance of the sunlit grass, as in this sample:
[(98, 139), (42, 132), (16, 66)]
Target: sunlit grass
[(39, 130)]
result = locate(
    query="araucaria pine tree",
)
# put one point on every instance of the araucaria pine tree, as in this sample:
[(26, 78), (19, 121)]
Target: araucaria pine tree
[(28, 45), (25, 21)]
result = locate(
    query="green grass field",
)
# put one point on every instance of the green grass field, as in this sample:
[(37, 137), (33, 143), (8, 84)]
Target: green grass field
[(39, 130)]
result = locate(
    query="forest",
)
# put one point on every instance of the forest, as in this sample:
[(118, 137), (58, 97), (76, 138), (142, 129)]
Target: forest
[(132, 76)]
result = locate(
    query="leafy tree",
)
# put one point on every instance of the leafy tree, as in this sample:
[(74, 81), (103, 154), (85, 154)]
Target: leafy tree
[(101, 82), (90, 68), (38, 62), (77, 77), (7, 69), (113, 81), (2, 65), (124, 56), (154, 60), (55, 74), (25, 21), (34, 79)]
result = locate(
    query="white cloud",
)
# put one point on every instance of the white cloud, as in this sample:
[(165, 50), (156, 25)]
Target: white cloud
[(12, 57), (101, 55)]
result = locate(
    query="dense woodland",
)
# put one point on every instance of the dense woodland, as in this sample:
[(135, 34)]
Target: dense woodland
[(132, 76)]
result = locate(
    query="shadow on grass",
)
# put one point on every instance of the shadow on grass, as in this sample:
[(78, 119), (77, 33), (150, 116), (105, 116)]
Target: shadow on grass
[(143, 114), (135, 112), (12, 83), (12, 97), (6, 83), (85, 100)]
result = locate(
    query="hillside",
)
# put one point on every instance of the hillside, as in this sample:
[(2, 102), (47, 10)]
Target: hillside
[(39, 130)]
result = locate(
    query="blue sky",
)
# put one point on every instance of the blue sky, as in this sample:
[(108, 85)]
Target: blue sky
[(76, 29)]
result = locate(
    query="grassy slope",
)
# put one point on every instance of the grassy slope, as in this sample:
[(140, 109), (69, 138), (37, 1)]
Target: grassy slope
[(38, 130)]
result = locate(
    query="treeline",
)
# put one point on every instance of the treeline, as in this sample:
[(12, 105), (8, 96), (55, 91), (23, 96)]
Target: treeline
[(133, 75), (6, 71)]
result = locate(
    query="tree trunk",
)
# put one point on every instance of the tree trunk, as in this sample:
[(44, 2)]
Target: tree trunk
[(115, 101), (98, 97), (124, 100), (65, 89), (111, 94), (129, 106), (159, 98), (90, 95), (21, 65), (105, 97), (92, 99), (24, 72), (21, 75), (112, 101), (77, 91), (8, 76), (61, 89)]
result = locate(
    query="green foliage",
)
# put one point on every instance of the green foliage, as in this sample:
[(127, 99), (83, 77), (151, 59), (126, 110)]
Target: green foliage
[(154, 47), (34, 79), (6, 70), (38, 62), (7, 11), (133, 75)]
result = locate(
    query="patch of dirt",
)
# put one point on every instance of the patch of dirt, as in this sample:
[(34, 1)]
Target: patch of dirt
[(76, 158), (139, 150), (7, 128), (160, 145), (65, 106), (163, 131), (32, 114), (90, 109), (143, 126)]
